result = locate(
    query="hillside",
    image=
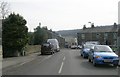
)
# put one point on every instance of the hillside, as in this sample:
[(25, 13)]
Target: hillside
[(69, 33)]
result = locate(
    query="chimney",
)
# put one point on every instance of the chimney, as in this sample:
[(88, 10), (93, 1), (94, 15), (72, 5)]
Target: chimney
[(115, 25), (84, 27), (92, 25), (39, 24)]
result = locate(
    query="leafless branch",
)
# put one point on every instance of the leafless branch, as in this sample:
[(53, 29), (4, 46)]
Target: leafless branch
[(4, 9)]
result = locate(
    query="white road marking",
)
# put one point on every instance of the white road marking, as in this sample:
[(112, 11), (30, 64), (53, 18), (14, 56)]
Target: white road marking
[(64, 58), (32, 60), (48, 57), (61, 68), (24, 62)]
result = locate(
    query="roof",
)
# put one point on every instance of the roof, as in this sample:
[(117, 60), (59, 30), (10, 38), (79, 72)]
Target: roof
[(99, 29)]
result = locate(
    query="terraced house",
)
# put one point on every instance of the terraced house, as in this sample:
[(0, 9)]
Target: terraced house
[(103, 34)]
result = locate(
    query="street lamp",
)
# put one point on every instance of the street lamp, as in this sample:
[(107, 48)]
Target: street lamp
[(92, 25)]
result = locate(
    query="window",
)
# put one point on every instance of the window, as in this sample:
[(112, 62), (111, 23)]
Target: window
[(115, 35), (115, 42), (83, 36), (97, 35), (105, 35)]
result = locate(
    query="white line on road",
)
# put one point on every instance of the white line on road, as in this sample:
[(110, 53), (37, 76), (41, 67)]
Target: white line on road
[(61, 68), (32, 60), (23, 63), (64, 58), (48, 57)]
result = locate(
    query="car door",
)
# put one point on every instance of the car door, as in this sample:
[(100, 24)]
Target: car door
[(82, 51), (91, 54)]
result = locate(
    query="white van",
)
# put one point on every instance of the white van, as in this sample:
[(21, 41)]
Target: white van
[(92, 42), (55, 44)]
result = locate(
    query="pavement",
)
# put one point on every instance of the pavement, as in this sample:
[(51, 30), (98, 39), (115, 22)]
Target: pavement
[(8, 62)]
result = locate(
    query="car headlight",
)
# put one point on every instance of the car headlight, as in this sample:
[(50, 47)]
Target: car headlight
[(116, 58), (97, 56)]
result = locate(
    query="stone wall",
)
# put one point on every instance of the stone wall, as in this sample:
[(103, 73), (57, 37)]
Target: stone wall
[(32, 49), (0, 52)]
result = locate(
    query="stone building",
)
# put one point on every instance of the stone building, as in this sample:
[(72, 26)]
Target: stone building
[(103, 34)]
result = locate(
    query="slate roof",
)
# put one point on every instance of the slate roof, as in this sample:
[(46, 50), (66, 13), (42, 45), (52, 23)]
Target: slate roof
[(99, 29)]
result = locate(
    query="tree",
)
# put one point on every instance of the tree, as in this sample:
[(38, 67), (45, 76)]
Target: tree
[(31, 38), (45, 32), (45, 28), (41, 35), (15, 34), (38, 36), (4, 9)]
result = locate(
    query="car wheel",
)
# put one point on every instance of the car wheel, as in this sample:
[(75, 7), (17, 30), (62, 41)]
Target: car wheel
[(87, 57), (84, 56), (89, 60), (51, 53), (115, 65), (81, 55)]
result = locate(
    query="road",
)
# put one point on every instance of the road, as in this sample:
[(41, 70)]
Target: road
[(65, 62)]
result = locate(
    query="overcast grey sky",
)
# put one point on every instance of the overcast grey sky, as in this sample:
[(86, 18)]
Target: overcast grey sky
[(66, 14)]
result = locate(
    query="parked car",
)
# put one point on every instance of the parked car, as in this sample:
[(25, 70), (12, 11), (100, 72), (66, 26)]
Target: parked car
[(73, 47), (46, 48), (55, 44), (85, 50), (92, 42), (103, 54), (79, 47)]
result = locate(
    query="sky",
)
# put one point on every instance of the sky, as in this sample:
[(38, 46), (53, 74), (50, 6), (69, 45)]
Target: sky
[(66, 14)]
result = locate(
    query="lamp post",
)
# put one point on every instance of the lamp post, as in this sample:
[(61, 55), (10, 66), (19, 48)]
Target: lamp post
[(118, 48), (118, 42), (92, 25)]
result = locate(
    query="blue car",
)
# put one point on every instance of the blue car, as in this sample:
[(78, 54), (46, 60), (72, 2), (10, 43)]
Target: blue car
[(86, 49), (103, 54)]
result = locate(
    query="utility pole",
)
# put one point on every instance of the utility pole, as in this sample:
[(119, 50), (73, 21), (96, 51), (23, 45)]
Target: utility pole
[(118, 47), (118, 37), (118, 40)]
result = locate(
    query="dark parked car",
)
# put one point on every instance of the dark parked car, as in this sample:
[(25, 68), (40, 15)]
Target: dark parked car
[(103, 54), (47, 48), (86, 49)]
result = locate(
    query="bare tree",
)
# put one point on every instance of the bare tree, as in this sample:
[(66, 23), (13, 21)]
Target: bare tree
[(4, 9)]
